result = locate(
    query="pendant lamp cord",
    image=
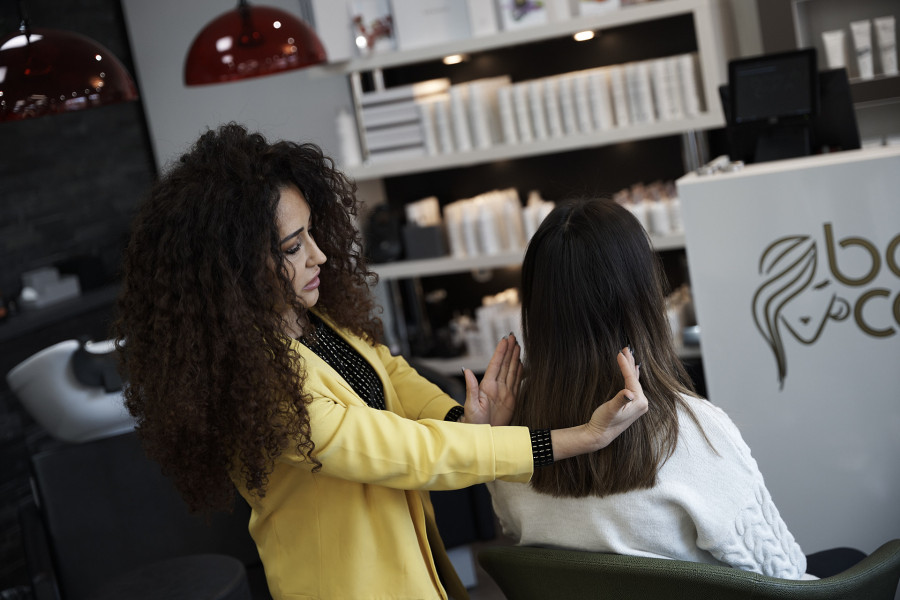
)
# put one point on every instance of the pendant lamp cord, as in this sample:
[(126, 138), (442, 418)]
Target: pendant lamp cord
[(249, 35), (23, 18)]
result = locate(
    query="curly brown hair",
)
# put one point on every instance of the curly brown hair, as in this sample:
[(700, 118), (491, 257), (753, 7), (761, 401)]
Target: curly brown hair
[(212, 380)]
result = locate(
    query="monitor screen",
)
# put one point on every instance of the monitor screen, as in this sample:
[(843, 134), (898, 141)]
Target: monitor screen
[(774, 86)]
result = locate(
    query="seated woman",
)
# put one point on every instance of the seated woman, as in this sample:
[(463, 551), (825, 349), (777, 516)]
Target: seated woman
[(680, 483)]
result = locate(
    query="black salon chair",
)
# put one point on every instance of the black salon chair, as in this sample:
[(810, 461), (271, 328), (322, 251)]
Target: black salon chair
[(105, 523)]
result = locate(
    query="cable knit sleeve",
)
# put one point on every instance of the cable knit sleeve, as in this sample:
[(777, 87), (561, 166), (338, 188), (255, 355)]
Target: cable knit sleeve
[(755, 538), (761, 541)]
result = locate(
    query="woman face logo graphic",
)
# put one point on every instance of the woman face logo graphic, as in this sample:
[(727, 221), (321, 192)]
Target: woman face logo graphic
[(792, 299)]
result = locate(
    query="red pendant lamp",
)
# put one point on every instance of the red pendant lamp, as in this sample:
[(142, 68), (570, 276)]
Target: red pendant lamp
[(251, 41), (49, 71)]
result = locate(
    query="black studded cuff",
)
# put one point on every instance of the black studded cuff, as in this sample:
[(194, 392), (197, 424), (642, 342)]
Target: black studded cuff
[(454, 413), (541, 447)]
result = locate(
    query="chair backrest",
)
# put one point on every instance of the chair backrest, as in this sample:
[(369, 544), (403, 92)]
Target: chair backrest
[(108, 509), (526, 573), (69, 410)]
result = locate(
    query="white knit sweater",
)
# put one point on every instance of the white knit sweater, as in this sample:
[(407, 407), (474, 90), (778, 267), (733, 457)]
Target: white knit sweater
[(706, 507)]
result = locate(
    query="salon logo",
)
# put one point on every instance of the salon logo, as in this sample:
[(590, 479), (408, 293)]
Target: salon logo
[(802, 291)]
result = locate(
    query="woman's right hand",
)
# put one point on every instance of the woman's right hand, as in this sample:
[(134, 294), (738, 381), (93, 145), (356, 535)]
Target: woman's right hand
[(609, 419)]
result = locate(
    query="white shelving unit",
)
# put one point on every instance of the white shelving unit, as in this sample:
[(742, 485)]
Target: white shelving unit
[(454, 366), (626, 15), (448, 264), (536, 148), (712, 47)]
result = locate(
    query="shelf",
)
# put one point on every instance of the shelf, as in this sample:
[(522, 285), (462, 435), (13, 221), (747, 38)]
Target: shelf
[(448, 264), (711, 47), (522, 150), (626, 15), (454, 366), (28, 322), (881, 89)]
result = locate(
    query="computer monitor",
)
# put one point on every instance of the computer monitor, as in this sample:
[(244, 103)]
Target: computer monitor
[(774, 87), (779, 106)]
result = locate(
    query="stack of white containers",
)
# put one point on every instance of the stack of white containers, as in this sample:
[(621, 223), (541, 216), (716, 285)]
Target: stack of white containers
[(497, 316), (492, 223), (617, 96), (435, 118), (656, 206), (392, 123)]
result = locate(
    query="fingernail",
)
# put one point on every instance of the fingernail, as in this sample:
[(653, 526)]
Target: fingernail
[(628, 398)]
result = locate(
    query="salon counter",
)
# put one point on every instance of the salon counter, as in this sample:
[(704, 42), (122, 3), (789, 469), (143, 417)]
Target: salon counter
[(795, 273)]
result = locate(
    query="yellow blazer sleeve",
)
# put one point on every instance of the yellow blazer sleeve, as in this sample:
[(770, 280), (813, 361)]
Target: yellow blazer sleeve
[(420, 398), (358, 443)]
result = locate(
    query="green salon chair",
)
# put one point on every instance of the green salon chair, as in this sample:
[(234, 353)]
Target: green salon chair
[(526, 573)]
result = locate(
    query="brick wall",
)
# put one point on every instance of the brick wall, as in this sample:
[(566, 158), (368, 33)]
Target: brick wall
[(68, 187), (68, 183)]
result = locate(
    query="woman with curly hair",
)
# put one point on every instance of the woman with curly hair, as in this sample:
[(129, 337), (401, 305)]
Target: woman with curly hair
[(249, 341)]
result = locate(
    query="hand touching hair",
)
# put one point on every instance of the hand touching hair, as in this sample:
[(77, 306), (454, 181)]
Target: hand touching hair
[(591, 284)]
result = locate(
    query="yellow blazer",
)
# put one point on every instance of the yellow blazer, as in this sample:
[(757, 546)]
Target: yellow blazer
[(361, 527)]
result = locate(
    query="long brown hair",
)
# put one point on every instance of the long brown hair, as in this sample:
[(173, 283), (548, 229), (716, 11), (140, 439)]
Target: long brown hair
[(591, 284), (212, 380)]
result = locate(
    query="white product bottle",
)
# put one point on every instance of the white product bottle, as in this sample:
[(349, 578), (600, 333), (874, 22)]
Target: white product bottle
[(551, 103), (523, 112), (507, 114), (429, 128), (639, 210), (480, 119), (660, 92), (658, 218), (454, 224), (582, 103), (687, 77), (601, 102), (619, 95), (538, 115), (459, 114), (567, 104), (886, 34), (675, 218), (442, 124), (488, 232), (862, 41), (470, 228)]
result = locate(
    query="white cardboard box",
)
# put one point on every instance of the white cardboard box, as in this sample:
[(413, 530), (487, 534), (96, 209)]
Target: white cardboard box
[(333, 28), (483, 18), (421, 23)]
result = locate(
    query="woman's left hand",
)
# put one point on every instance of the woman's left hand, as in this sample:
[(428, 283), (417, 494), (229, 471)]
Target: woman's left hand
[(494, 399)]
